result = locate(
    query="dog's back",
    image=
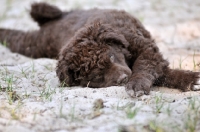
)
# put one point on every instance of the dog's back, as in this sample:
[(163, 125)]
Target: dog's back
[(58, 27)]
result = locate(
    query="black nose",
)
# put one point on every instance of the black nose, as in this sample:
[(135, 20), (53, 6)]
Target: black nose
[(123, 79)]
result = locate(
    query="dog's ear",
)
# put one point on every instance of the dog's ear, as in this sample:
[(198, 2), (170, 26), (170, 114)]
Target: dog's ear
[(102, 34), (105, 33), (64, 72), (113, 37)]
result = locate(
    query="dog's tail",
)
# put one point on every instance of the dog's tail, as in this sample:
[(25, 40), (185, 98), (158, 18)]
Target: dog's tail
[(43, 13), (21, 42), (180, 79)]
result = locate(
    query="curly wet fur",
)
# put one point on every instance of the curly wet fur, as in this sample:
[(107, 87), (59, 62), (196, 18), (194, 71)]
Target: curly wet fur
[(98, 48)]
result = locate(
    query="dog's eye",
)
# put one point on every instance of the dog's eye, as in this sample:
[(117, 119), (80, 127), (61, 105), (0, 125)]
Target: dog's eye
[(112, 58), (97, 78)]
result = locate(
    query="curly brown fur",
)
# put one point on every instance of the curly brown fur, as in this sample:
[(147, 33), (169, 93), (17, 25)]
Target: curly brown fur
[(88, 61), (98, 48)]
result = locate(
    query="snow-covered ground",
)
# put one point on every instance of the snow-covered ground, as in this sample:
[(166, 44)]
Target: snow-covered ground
[(31, 99)]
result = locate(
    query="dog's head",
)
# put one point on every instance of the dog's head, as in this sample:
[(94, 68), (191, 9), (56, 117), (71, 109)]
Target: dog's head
[(94, 57)]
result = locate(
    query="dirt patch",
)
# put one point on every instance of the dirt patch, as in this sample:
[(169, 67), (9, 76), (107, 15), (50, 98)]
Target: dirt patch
[(31, 98)]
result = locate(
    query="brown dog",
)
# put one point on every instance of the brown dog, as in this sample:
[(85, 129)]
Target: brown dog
[(98, 48)]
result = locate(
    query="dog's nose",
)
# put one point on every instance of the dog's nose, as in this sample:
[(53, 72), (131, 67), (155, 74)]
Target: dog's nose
[(123, 79)]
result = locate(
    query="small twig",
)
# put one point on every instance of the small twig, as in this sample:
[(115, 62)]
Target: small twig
[(88, 84)]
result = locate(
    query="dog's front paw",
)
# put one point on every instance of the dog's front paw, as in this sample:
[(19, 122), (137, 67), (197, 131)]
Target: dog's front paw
[(196, 84), (137, 87)]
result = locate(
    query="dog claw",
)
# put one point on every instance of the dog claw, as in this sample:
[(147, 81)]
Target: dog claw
[(196, 86), (198, 82), (139, 93), (130, 92)]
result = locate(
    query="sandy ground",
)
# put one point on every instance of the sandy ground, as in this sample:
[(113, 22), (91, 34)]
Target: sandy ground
[(32, 100)]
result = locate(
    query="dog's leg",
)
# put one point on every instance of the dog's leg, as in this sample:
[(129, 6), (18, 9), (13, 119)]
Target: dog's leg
[(151, 69), (180, 79), (43, 13), (148, 66), (26, 43)]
